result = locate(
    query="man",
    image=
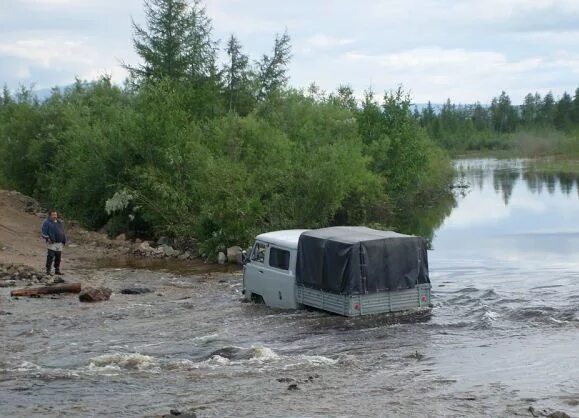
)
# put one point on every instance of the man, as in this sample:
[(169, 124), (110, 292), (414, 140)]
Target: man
[(53, 233)]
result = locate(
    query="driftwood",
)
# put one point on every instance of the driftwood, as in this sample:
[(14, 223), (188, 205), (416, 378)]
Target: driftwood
[(47, 290)]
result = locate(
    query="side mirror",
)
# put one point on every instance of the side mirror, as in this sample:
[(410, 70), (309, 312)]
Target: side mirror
[(244, 257)]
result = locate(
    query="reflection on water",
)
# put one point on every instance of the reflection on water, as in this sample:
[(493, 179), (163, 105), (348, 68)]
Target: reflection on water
[(508, 174), (496, 193), (512, 212)]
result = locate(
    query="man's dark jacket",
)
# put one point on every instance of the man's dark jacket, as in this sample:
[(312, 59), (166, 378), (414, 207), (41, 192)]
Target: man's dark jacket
[(53, 231)]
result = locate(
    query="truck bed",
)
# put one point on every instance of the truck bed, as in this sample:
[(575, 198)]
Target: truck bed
[(367, 304)]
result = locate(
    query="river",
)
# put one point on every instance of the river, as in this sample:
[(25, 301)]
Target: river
[(502, 337)]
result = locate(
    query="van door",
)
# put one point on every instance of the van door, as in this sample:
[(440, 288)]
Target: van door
[(282, 293), (253, 271)]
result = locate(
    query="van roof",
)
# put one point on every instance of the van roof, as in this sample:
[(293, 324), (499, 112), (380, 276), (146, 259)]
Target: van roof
[(288, 238)]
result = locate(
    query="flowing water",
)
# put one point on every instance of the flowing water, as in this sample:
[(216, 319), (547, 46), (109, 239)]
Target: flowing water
[(503, 335)]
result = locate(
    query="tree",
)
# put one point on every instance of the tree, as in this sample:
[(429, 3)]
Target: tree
[(576, 107), (6, 97), (480, 117), (237, 75), (272, 71), (529, 110), (564, 112), (344, 97), (547, 110), (176, 43), (503, 114), (370, 119), (200, 49)]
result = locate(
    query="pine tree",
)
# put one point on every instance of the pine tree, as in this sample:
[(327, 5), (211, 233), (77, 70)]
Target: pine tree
[(480, 117), (272, 71), (564, 112), (237, 74), (529, 110), (576, 107), (503, 114), (547, 110), (176, 43)]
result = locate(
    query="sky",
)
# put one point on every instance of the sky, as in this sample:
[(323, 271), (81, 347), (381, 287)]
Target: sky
[(465, 50)]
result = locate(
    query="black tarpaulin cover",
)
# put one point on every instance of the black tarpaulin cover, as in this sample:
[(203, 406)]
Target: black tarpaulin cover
[(358, 260)]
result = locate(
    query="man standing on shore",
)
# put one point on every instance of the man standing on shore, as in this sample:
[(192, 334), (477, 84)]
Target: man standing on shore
[(53, 233)]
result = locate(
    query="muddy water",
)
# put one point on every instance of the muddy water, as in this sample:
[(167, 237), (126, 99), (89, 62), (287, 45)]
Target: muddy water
[(503, 335)]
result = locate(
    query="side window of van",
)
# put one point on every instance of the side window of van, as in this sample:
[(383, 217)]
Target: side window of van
[(258, 253), (279, 258)]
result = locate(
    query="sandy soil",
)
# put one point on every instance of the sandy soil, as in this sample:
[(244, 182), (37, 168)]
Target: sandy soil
[(21, 243)]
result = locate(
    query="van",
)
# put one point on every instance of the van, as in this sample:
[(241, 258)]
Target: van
[(350, 271)]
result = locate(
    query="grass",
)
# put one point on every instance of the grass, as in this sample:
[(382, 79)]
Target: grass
[(559, 150)]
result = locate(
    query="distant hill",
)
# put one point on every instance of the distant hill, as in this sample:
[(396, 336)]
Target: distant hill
[(437, 107), (43, 94), (420, 106)]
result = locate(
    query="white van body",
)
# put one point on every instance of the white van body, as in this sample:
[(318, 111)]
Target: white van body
[(269, 276)]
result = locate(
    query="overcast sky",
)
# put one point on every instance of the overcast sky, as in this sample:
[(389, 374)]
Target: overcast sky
[(465, 50)]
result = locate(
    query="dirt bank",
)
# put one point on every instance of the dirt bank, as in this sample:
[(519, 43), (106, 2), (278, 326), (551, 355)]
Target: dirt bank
[(21, 243), (20, 240)]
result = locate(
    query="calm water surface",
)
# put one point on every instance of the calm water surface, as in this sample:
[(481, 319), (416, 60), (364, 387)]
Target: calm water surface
[(503, 335)]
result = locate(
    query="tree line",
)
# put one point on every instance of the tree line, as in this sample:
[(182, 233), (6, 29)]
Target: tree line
[(479, 127), (212, 154)]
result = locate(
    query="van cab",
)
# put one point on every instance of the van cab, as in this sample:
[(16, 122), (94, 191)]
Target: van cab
[(269, 276)]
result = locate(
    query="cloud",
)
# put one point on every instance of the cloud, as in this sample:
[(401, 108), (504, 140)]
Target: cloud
[(49, 52), (325, 41), (434, 73), (434, 60), (321, 42), (467, 50)]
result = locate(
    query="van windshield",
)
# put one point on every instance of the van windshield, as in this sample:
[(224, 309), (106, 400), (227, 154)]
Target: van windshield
[(258, 253)]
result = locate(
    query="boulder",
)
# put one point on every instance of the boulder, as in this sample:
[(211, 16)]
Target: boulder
[(184, 256), (144, 247), (167, 250), (121, 237), (177, 413), (7, 283), (234, 255), (92, 294), (135, 290), (221, 258), (164, 241)]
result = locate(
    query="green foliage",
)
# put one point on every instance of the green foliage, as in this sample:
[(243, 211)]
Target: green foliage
[(399, 148)]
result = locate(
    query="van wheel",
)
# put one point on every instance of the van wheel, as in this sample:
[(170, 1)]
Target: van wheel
[(257, 299)]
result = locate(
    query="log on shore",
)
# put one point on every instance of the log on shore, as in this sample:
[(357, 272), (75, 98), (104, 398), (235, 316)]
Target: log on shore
[(47, 290)]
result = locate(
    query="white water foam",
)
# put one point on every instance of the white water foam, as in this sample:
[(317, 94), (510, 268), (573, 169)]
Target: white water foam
[(122, 361), (491, 315), (27, 366), (261, 353)]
